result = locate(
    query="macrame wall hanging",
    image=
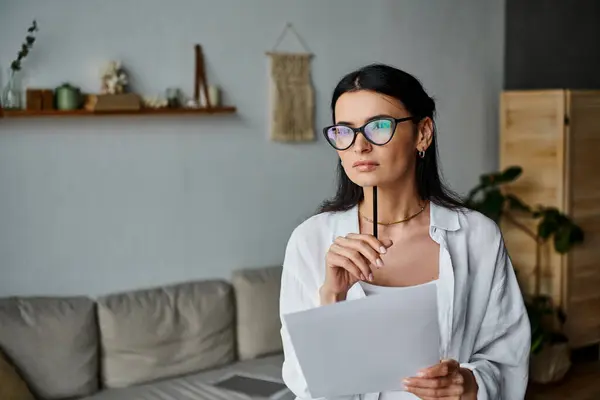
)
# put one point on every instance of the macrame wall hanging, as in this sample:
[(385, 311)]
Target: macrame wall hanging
[(291, 93)]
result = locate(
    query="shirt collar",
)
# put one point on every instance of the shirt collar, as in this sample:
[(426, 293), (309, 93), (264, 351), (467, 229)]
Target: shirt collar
[(443, 218), (440, 217)]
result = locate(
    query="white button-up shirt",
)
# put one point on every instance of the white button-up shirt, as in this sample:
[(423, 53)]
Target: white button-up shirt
[(482, 318)]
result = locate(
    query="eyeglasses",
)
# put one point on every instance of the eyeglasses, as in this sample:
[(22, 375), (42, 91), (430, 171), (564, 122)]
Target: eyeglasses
[(378, 132)]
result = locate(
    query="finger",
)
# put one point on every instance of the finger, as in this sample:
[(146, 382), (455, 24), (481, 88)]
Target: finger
[(372, 240), (356, 257), (453, 366), (444, 368), (458, 378), (378, 245), (434, 383), (365, 248), (454, 391), (337, 261)]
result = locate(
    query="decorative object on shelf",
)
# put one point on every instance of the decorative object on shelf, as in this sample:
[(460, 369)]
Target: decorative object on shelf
[(89, 101), (154, 102), (550, 353), (33, 98), (191, 103), (68, 97), (291, 93), (47, 99), (118, 102), (173, 97), (11, 95), (40, 99), (200, 79), (214, 97), (114, 78), (112, 102)]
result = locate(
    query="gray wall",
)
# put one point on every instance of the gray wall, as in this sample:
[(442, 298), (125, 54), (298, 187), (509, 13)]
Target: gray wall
[(98, 205), (552, 44)]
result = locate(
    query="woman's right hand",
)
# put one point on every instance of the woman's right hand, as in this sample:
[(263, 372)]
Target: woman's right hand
[(350, 259)]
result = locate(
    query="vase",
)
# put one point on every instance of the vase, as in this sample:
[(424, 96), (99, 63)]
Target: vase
[(11, 95), (551, 364), (68, 97)]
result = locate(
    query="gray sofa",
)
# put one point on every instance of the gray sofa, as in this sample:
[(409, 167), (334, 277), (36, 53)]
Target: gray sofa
[(163, 343)]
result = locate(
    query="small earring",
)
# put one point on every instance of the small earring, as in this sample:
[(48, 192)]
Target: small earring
[(421, 153)]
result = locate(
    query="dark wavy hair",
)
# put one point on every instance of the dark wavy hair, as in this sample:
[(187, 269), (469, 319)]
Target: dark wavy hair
[(406, 88)]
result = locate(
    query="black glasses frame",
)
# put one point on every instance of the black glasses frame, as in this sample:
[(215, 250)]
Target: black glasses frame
[(360, 129)]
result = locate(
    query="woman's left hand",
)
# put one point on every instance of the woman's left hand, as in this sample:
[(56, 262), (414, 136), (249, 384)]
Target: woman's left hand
[(445, 380)]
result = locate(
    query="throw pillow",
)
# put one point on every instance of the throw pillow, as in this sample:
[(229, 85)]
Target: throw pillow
[(257, 311), (12, 386)]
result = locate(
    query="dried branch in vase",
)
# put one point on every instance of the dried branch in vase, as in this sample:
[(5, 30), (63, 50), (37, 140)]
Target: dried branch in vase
[(25, 47)]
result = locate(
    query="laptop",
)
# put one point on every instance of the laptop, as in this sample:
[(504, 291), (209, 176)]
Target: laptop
[(254, 386)]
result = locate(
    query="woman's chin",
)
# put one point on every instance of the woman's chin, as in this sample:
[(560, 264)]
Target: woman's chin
[(366, 181)]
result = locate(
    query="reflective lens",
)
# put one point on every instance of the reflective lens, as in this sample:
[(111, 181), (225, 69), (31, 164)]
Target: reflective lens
[(379, 131), (340, 136)]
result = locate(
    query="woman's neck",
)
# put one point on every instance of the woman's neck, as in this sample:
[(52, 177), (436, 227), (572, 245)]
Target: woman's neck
[(394, 202)]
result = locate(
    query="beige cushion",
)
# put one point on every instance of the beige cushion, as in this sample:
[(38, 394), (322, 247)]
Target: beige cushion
[(12, 386), (163, 332), (200, 386), (257, 308), (53, 343)]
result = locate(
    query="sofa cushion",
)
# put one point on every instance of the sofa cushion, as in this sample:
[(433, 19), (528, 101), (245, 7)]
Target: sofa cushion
[(53, 342), (257, 311), (200, 386), (162, 332), (12, 386)]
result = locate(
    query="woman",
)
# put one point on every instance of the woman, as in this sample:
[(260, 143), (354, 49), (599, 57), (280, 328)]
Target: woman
[(384, 136)]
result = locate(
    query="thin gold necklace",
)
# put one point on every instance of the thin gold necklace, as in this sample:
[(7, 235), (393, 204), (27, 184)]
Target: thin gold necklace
[(395, 222)]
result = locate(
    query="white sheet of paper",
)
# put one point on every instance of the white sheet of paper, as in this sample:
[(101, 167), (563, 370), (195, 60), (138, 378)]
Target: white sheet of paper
[(367, 345)]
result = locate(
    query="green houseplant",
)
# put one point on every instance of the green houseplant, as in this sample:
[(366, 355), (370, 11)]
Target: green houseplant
[(548, 343)]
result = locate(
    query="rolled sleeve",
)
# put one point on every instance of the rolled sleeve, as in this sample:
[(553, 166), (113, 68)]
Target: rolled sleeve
[(500, 361)]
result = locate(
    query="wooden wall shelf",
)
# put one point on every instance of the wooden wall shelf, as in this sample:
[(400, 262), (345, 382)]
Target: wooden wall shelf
[(143, 111)]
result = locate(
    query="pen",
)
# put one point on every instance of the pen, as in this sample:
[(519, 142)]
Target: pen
[(375, 211)]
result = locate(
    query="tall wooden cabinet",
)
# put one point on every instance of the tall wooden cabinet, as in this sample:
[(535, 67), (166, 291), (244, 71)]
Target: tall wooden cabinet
[(555, 136)]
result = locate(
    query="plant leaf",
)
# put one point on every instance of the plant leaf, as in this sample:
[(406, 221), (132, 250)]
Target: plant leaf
[(492, 204), (536, 343), (488, 180), (510, 174), (33, 27), (549, 223), (562, 242), (567, 235), (577, 235), (545, 229)]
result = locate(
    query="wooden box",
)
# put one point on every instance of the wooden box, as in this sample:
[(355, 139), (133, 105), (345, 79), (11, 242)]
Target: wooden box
[(555, 136), (117, 102), (48, 99), (33, 99)]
